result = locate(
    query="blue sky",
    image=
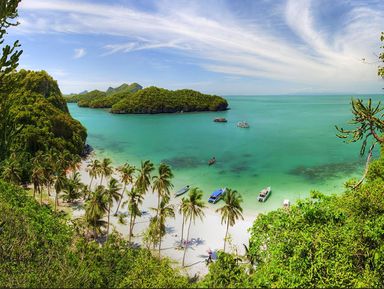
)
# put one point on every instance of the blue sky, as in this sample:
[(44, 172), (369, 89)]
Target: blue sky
[(214, 46)]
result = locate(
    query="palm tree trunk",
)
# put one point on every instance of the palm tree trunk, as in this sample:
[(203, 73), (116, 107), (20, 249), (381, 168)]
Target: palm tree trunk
[(109, 214), (121, 198), (226, 233), (186, 245), (90, 184), (182, 231), (159, 245), (101, 180), (130, 227), (41, 196), (56, 201)]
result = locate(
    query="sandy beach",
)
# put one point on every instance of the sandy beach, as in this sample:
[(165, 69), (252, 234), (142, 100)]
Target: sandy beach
[(207, 234)]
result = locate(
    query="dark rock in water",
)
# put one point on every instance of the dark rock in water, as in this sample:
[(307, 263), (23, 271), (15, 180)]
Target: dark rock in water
[(86, 151), (184, 162), (240, 168), (326, 171)]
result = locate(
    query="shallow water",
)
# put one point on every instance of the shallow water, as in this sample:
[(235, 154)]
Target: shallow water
[(291, 145)]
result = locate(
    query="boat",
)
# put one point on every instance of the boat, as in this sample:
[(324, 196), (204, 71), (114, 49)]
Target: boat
[(212, 161), (264, 194), (220, 119), (286, 203), (216, 195), (182, 191), (243, 124)]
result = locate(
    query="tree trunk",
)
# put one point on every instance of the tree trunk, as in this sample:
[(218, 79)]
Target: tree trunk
[(159, 244), (182, 231), (186, 245), (56, 198), (41, 196), (101, 180), (109, 215), (366, 166), (130, 227), (121, 198), (90, 184), (226, 233)]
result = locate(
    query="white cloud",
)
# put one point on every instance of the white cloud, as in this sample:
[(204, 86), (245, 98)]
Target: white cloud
[(79, 53), (228, 45)]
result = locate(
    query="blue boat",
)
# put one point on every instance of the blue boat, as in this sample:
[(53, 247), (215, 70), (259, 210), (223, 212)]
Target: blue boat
[(216, 195)]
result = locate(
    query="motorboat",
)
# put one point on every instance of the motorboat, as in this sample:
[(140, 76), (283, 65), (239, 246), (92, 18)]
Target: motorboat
[(220, 119), (243, 124), (216, 195), (264, 194), (211, 161), (182, 191)]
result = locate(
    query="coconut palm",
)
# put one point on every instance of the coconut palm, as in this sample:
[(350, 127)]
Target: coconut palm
[(93, 170), (135, 198), (72, 188), (59, 183), (126, 177), (143, 181), (38, 180), (112, 193), (162, 183), (163, 212), (182, 211), (193, 208), (96, 208), (11, 171), (231, 211), (106, 169)]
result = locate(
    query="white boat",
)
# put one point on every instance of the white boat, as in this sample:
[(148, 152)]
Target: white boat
[(264, 194), (182, 191), (243, 124)]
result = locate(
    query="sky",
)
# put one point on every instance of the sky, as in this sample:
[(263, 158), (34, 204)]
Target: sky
[(224, 47)]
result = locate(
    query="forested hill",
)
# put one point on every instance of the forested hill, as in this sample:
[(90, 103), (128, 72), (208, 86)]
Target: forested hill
[(103, 99), (133, 99), (36, 119)]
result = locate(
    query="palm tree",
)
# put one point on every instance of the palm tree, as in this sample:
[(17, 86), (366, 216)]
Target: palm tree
[(93, 170), (72, 188), (59, 184), (231, 211), (105, 169), (162, 183), (38, 180), (126, 177), (182, 211), (135, 198), (162, 213), (194, 208), (143, 181), (112, 193), (11, 171), (96, 208)]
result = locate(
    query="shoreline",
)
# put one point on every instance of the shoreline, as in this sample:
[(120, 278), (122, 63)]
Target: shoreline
[(206, 234)]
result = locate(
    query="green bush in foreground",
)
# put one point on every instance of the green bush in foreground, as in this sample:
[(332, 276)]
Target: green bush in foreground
[(38, 249)]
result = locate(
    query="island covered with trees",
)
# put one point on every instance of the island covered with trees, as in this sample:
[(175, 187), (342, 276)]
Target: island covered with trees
[(134, 99)]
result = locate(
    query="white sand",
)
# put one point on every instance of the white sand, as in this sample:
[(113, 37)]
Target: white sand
[(204, 235)]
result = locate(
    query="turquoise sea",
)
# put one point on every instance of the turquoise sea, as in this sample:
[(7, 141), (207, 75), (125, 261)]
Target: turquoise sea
[(291, 145)]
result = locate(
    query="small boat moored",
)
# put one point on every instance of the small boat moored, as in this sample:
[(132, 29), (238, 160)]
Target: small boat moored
[(182, 191), (264, 194), (243, 124), (212, 161), (216, 195), (220, 119)]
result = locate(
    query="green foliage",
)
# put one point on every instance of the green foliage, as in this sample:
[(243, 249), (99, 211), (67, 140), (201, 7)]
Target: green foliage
[(225, 272), (159, 100), (100, 99), (39, 115), (44, 252), (381, 57)]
